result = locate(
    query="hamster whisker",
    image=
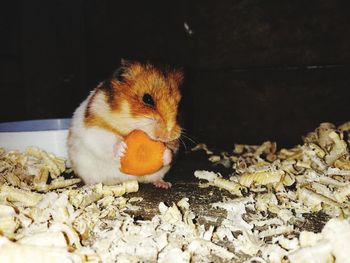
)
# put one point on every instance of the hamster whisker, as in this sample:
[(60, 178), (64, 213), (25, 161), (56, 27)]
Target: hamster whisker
[(188, 138), (183, 143), (184, 131)]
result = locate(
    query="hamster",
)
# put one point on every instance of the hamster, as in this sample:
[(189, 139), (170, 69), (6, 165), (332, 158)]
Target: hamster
[(137, 96)]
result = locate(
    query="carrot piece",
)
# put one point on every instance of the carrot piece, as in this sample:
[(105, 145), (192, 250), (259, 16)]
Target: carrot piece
[(143, 155)]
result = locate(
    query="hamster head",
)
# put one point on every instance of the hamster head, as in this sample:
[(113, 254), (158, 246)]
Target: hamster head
[(146, 98)]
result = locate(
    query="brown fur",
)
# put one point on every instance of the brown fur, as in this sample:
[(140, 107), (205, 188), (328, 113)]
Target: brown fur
[(92, 119)]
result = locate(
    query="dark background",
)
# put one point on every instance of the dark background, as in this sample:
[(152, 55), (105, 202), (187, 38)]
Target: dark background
[(255, 69)]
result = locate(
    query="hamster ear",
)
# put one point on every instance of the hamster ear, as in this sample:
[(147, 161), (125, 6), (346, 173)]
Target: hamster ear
[(130, 68), (118, 74), (123, 71), (177, 75), (125, 63)]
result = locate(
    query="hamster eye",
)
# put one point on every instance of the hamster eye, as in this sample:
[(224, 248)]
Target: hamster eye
[(148, 99)]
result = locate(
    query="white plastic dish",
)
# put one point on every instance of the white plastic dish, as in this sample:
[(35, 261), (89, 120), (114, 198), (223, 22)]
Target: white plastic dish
[(49, 135)]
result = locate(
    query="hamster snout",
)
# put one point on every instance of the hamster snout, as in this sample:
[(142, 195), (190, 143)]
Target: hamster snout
[(167, 133), (160, 130)]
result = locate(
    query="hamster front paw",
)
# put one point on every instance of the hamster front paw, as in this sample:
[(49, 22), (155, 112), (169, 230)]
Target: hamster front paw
[(167, 157), (119, 149)]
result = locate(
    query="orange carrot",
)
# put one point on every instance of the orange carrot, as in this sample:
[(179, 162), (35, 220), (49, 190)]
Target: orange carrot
[(143, 155)]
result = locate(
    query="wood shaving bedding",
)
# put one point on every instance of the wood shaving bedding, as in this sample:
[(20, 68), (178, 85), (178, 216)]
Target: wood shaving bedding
[(67, 223), (46, 217), (309, 178)]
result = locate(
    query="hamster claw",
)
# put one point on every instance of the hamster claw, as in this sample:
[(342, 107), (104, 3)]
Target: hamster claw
[(167, 157), (119, 149), (162, 184)]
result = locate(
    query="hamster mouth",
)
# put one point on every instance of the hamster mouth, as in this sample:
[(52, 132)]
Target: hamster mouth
[(157, 138), (163, 137), (157, 131)]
